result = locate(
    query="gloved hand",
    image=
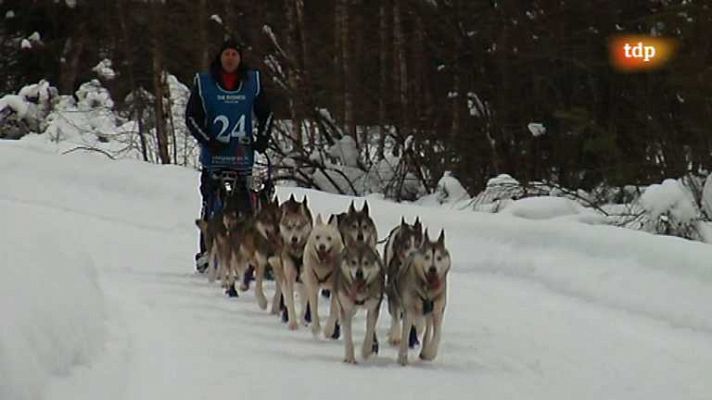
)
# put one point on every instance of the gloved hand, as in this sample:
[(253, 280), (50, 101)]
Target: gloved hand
[(260, 144), (215, 146)]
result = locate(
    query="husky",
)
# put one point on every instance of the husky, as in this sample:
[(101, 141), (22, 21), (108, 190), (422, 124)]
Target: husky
[(295, 225), (211, 229), (216, 231), (321, 259), (264, 234), (252, 240), (357, 226), (402, 242), (359, 283), (232, 260), (420, 290)]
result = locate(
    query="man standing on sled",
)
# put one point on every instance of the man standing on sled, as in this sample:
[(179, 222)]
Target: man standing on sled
[(219, 116)]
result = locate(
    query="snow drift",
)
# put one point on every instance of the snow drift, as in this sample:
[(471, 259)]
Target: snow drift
[(51, 306)]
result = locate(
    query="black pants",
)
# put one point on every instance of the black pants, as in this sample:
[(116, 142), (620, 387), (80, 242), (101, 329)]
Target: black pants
[(209, 188)]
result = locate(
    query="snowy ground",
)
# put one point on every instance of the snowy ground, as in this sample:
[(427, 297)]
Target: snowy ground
[(547, 309)]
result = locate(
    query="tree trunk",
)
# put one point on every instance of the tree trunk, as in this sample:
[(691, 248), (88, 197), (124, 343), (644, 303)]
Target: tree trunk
[(302, 73), (158, 92), (349, 123), (138, 107), (455, 106), (292, 76), (400, 66), (71, 55), (202, 17), (383, 91)]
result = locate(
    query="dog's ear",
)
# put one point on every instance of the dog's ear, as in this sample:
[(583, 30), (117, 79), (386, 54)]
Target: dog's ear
[(352, 209), (333, 220), (275, 201), (427, 237), (304, 203), (417, 224), (402, 222), (291, 197), (441, 238), (365, 208), (319, 221)]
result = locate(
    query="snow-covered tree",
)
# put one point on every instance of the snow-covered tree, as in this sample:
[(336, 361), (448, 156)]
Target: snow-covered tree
[(669, 209), (26, 111)]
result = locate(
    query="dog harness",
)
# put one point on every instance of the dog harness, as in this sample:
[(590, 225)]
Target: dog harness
[(323, 280)]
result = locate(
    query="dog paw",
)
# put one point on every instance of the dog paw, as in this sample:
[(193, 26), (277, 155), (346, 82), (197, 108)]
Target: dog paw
[(332, 332), (427, 354), (316, 329), (231, 292), (244, 287), (366, 351), (328, 331), (394, 341), (403, 359), (262, 303), (350, 360), (293, 325)]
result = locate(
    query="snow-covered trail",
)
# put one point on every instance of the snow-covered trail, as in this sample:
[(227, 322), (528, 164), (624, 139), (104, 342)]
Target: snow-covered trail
[(546, 309)]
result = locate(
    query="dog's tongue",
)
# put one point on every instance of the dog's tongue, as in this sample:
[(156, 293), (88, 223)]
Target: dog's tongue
[(433, 281), (323, 255), (359, 285)]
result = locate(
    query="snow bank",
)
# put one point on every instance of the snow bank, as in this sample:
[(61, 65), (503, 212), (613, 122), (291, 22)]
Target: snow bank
[(542, 207), (537, 309), (499, 192), (51, 306), (449, 191), (610, 266), (89, 121)]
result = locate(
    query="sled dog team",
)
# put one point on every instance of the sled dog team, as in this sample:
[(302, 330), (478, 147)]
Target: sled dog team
[(338, 257)]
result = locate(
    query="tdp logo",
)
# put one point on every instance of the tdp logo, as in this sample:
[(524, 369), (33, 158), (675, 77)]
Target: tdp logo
[(639, 51), (631, 53)]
